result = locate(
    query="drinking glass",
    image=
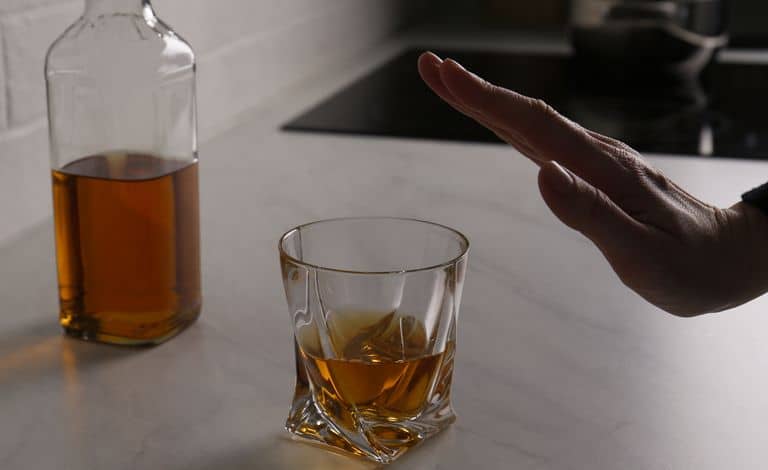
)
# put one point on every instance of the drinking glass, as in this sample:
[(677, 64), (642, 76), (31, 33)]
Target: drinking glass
[(374, 304)]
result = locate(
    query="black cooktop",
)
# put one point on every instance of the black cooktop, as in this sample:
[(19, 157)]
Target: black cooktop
[(722, 114)]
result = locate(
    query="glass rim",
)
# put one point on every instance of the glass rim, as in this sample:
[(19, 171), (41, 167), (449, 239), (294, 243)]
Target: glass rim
[(463, 238)]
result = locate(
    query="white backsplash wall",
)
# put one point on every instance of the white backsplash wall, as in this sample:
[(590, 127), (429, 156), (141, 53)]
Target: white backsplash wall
[(247, 51)]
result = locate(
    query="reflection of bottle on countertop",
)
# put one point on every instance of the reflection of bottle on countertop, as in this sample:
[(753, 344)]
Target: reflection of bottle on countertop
[(121, 108)]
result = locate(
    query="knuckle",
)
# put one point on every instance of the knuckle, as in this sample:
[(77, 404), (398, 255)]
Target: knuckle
[(628, 160), (491, 92), (537, 115), (490, 88), (639, 171), (542, 109), (654, 178), (627, 148), (619, 145)]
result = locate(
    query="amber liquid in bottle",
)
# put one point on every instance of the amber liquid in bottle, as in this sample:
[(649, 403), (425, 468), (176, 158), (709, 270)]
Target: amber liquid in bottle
[(381, 372), (127, 245)]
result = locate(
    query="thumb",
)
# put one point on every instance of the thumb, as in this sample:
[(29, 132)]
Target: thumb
[(585, 208)]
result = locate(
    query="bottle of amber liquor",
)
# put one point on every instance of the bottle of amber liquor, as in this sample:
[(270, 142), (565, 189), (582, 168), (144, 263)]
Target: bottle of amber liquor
[(121, 109)]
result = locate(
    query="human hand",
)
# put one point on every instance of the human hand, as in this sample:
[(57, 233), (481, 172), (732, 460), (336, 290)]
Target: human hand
[(679, 253)]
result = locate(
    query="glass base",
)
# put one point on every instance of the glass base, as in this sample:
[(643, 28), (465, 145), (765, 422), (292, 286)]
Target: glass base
[(90, 329), (380, 441)]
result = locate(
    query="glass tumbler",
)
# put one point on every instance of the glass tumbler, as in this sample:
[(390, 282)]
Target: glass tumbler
[(374, 304)]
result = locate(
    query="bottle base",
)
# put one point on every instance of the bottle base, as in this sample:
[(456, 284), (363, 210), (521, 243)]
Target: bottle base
[(90, 328)]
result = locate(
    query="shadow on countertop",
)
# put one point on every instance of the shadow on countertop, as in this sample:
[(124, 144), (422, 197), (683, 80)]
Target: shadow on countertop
[(281, 452)]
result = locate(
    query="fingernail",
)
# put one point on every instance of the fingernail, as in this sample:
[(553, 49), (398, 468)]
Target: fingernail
[(433, 55), (456, 65), (560, 180), (463, 70)]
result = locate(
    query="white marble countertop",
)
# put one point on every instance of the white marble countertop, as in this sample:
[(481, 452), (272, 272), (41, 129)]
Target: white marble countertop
[(558, 365)]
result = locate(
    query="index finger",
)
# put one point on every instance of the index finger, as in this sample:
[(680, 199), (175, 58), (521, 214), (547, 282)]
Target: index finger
[(549, 134)]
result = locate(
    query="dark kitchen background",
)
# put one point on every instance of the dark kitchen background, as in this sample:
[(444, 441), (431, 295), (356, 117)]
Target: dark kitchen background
[(747, 18), (693, 83)]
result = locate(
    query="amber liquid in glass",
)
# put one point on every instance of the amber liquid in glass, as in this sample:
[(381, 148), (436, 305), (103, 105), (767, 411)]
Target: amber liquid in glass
[(380, 374), (128, 247)]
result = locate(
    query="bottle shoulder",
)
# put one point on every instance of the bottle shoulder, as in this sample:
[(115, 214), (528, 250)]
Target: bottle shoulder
[(127, 39)]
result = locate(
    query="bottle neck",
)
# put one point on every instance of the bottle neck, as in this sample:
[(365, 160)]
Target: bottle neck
[(111, 7)]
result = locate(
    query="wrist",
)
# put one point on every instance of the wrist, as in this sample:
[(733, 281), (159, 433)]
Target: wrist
[(747, 229)]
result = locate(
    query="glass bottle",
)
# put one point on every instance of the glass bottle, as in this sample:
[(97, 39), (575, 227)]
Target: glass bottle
[(121, 109)]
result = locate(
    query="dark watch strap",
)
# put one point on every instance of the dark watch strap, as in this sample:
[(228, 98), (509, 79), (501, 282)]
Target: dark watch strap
[(757, 197)]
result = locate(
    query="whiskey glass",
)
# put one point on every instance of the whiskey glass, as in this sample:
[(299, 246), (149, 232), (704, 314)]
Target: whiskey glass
[(374, 304)]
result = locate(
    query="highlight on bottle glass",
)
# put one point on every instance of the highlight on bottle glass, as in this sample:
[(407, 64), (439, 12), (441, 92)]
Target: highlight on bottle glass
[(374, 305)]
